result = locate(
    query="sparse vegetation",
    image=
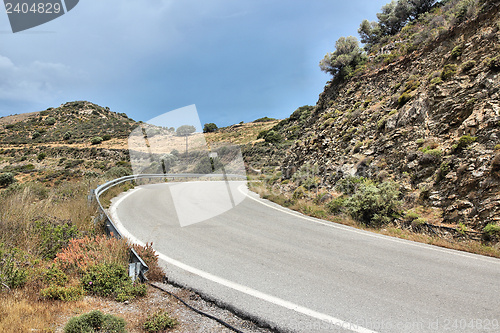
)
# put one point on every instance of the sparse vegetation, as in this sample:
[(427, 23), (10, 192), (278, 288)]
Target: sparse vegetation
[(159, 322), (448, 72), (96, 140), (95, 321)]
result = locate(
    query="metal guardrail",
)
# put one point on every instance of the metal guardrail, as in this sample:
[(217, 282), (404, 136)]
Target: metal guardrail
[(137, 267)]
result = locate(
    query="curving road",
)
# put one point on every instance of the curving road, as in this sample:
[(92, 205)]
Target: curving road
[(301, 274)]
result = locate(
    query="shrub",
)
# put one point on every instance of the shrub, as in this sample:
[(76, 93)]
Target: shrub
[(374, 204), (263, 120), (448, 72), (54, 276), (494, 63), (67, 136), (104, 279), (41, 156), (465, 140), (335, 206), (6, 179), (457, 51), (159, 322), (35, 135), (111, 280), (54, 236), (106, 137), (82, 253), (95, 321), (468, 65), (96, 140), (349, 185), (50, 121), (492, 229), (436, 81), (148, 254), (67, 294), (129, 291), (12, 267), (299, 193), (404, 98)]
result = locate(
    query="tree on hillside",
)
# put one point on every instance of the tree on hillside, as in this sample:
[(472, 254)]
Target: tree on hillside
[(370, 34), (185, 130), (393, 17), (346, 58), (209, 128)]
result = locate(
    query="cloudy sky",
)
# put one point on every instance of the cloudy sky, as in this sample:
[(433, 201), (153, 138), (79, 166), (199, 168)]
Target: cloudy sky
[(236, 60)]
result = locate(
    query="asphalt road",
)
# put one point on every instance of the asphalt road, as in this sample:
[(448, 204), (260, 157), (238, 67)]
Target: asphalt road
[(302, 274)]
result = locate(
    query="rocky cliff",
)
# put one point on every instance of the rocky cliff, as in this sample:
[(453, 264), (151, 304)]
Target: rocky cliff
[(429, 121)]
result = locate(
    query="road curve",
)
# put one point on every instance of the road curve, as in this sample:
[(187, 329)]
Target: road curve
[(302, 274)]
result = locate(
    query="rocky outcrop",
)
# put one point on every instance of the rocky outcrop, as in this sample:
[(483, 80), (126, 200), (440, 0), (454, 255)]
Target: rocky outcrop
[(429, 121)]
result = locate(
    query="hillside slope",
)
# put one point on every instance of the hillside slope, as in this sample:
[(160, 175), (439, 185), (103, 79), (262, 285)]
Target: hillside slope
[(56, 144), (428, 120)]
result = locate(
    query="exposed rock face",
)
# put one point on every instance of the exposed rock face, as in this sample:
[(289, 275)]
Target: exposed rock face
[(441, 145)]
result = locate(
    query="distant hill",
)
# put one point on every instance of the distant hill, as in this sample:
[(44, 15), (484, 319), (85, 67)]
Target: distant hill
[(72, 122)]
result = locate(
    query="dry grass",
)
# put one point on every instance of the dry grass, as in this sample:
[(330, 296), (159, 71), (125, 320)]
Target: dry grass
[(29, 202), (309, 208), (20, 312), (239, 134)]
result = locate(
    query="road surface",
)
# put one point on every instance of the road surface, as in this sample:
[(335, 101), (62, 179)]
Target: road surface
[(301, 274)]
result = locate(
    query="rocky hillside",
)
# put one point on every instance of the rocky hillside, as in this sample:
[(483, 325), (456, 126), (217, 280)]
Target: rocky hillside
[(63, 143), (427, 118)]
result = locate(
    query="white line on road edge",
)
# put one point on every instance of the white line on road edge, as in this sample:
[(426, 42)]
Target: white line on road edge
[(233, 285), (374, 235)]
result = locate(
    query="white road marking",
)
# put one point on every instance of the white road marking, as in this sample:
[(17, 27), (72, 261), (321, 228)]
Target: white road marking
[(233, 285), (371, 234)]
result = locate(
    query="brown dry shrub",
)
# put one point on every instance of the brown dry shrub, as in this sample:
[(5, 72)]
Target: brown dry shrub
[(148, 254), (84, 252)]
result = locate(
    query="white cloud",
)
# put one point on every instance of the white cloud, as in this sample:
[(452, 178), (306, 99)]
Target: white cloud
[(35, 82)]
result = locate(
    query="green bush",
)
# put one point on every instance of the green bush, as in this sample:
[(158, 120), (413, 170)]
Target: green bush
[(111, 280), (106, 137), (465, 141), (96, 140), (104, 279), (54, 236), (12, 267), (494, 63), (404, 98), (50, 121), (349, 185), (375, 204), (299, 193), (6, 179), (335, 206), (129, 291), (492, 229), (95, 321), (159, 322), (67, 136), (61, 293), (448, 72), (35, 135), (457, 51), (41, 156), (436, 81), (54, 276), (468, 65)]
